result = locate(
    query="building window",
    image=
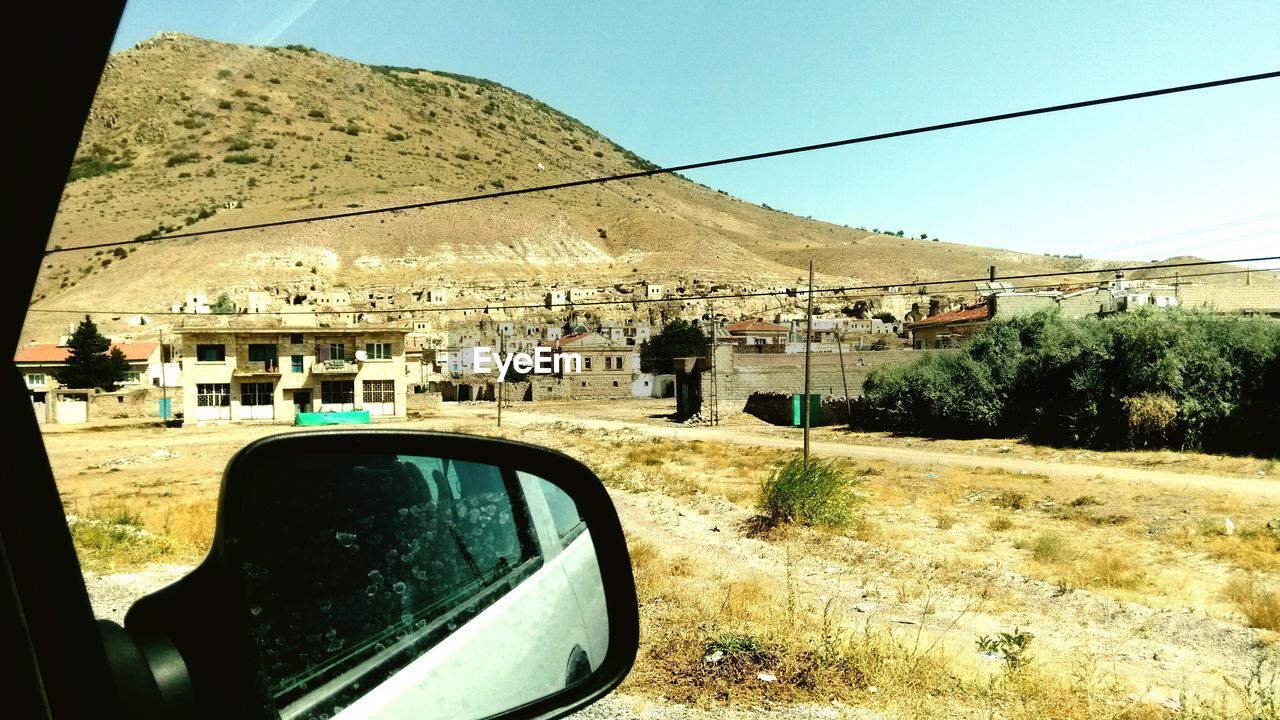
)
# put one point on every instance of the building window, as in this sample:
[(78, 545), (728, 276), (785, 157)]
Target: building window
[(211, 353), (132, 377), (256, 394), (608, 363), (295, 339), (296, 363), (615, 383), (586, 363), (337, 392), (378, 351), (262, 353), (213, 394), (331, 351), (379, 391), (35, 379)]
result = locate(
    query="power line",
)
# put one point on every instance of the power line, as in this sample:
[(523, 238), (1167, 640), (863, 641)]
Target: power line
[(697, 165), (883, 287)]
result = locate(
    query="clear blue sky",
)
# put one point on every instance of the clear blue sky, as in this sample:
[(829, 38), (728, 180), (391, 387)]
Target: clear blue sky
[(681, 81)]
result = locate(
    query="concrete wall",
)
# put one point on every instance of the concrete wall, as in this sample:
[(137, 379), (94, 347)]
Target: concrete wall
[(1239, 298), (739, 375), (778, 409)]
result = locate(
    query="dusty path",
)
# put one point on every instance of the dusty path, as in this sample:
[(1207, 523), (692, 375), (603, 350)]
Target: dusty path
[(1259, 489)]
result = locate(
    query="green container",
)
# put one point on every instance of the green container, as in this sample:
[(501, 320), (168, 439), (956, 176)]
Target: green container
[(797, 409), (351, 417)]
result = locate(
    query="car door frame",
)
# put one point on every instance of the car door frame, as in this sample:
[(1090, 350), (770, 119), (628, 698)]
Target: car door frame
[(50, 645)]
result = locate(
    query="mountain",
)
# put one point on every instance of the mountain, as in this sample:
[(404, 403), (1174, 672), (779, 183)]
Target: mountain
[(187, 133)]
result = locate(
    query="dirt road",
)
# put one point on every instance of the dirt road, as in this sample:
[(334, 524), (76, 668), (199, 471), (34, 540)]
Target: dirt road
[(1260, 489)]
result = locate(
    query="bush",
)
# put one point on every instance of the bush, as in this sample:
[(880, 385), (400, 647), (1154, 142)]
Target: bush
[(182, 158), (1175, 379), (225, 104), (224, 73), (255, 107), (815, 493), (1260, 605), (240, 158), (315, 114)]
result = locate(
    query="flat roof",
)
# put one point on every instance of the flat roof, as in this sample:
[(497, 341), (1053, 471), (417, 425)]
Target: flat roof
[(290, 330)]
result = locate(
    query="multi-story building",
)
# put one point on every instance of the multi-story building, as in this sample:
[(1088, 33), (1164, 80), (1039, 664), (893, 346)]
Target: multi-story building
[(273, 373)]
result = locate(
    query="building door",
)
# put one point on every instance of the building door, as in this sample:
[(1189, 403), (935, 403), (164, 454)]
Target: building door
[(301, 401), (213, 401), (379, 397), (257, 401)]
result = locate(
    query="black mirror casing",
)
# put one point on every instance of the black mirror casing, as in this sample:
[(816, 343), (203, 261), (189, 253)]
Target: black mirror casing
[(199, 644)]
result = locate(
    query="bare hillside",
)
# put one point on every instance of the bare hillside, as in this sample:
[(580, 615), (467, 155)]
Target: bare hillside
[(187, 133)]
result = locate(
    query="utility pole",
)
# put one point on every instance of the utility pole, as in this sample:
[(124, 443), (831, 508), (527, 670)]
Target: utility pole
[(164, 383), (502, 345), (808, 347), (848, 408)]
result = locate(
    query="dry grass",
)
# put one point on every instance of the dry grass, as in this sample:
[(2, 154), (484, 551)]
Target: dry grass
[(707, 639), (1260, 604)]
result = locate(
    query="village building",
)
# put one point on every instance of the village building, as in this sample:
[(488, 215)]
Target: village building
[(150, 365), (948, 329), (757, 332), (607, 370), (274, 373)]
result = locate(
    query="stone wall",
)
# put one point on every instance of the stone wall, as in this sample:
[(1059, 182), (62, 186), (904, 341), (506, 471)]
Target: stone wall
[(581, 387), (138, 402)]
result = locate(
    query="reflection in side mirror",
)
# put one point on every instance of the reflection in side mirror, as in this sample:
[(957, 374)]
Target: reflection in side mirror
[(397, 574)]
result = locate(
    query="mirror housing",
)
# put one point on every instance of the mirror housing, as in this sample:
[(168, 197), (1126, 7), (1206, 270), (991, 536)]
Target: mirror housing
[(242, 635)]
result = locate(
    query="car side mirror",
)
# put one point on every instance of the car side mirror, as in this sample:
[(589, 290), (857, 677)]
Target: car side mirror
[(391, 574)]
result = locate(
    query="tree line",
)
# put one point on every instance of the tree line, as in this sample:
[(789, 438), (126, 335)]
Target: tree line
[(1152, 379)]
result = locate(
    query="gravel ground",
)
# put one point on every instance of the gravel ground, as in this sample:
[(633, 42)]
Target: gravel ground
[(111, 595)]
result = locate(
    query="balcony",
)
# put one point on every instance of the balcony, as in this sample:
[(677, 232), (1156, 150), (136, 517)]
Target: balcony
[(250, 368), (335, 367)]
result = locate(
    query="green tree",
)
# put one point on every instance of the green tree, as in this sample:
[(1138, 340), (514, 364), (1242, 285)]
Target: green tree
[(223, 305), (92, 362), (679, 338)]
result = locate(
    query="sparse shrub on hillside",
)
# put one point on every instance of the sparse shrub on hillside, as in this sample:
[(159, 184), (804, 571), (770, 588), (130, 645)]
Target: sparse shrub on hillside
[(463, 156), (498, 184), (182, 158), (238, 145), (189, 123), (238, 92), (240, 158), (268, 144), (224, 73), (253, 182), (316, 114), (817, 492), (258, 108), (274, 81), (93, 165), (393, 136), (225, 104)]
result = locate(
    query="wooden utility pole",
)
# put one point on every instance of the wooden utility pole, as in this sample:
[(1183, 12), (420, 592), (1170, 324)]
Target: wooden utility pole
[(848, 408), (808, 343)]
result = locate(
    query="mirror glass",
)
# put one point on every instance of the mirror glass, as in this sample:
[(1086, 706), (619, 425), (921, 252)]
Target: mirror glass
[(403, 586)]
